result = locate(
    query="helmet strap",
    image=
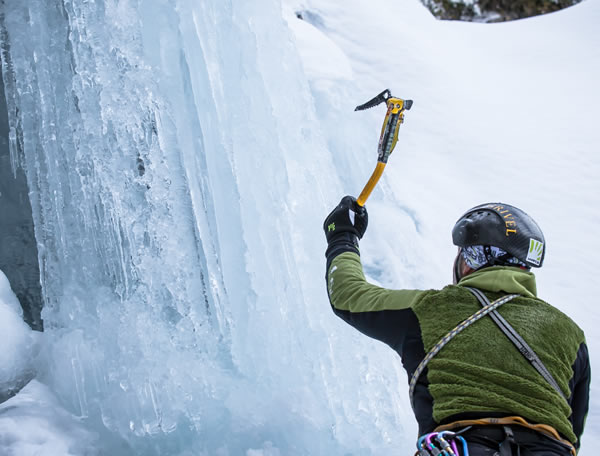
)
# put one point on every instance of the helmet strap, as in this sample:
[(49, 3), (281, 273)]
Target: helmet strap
[(460, 268), (455, 272)]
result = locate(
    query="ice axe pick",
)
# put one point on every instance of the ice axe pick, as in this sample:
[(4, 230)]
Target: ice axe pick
[(389, 135)]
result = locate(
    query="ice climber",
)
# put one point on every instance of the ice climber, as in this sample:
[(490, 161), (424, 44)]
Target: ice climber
[(509, 381)]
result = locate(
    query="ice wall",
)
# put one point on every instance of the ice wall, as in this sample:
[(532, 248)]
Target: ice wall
[(178, 178)]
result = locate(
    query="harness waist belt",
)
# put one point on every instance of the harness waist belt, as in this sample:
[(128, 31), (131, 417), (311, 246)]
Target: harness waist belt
[(545, 429)]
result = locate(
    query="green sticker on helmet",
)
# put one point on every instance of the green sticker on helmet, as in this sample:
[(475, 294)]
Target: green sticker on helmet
[(536, 250)]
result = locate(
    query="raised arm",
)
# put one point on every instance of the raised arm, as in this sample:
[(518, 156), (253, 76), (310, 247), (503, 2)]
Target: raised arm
[(382, 314)]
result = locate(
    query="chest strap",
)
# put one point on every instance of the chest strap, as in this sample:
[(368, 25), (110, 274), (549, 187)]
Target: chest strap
[(448, 337), (518, 341)]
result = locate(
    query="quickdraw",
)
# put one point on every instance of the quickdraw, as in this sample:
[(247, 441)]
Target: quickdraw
[(445, 443)]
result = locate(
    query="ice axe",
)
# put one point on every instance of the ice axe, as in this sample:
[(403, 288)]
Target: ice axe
[(389, 135)]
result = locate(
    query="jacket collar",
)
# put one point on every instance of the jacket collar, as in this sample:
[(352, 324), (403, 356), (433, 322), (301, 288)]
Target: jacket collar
[(502, 278)]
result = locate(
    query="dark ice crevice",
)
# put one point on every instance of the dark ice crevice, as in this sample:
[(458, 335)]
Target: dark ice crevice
[(18, 249)]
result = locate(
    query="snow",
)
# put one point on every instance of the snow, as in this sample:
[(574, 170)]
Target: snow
[(19, 344), (33, 423), (8, 298), (181, 158), (502, 112)]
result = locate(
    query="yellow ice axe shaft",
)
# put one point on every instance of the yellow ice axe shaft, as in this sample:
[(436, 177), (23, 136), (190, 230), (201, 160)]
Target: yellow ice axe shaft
[(366, 192), (388, 139)]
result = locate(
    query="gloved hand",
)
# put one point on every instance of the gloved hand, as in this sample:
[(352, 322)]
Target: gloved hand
[(347, 217)]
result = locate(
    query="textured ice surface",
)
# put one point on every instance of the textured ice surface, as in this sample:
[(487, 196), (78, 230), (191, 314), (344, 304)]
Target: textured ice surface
[(180, 165), (177, 177)]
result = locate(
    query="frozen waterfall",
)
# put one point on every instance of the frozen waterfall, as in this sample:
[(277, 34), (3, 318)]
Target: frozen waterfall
[(170, 150)]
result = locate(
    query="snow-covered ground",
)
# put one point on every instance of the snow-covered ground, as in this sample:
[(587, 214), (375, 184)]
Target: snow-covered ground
[(181, 159)]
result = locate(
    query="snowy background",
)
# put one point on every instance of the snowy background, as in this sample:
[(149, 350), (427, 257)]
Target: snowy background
[(181, 157)]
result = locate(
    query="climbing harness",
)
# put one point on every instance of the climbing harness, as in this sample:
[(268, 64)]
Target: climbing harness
[(394, 117), (514, 421)]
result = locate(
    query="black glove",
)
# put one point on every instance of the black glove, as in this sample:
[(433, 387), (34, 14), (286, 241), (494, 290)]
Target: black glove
[(347, 217), (343, 227)]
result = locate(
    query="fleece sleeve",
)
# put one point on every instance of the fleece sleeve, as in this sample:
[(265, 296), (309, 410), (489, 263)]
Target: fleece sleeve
[(382, 314), (580, 391)]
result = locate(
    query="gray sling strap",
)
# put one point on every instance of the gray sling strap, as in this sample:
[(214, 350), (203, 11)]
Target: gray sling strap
[(448, 337), (518, 341)]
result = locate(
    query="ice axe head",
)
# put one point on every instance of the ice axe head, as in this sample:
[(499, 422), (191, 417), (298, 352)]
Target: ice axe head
[(389, 135), (383, 97)]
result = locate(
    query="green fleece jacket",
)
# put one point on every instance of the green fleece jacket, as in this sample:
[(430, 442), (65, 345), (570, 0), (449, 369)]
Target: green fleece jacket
[(480, 373)]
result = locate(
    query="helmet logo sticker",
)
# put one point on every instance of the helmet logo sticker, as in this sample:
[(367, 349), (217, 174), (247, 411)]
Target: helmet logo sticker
[(536, 249), (509, 219)]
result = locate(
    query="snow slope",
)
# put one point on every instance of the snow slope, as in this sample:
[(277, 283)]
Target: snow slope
[(503, 112), (181, 158)]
